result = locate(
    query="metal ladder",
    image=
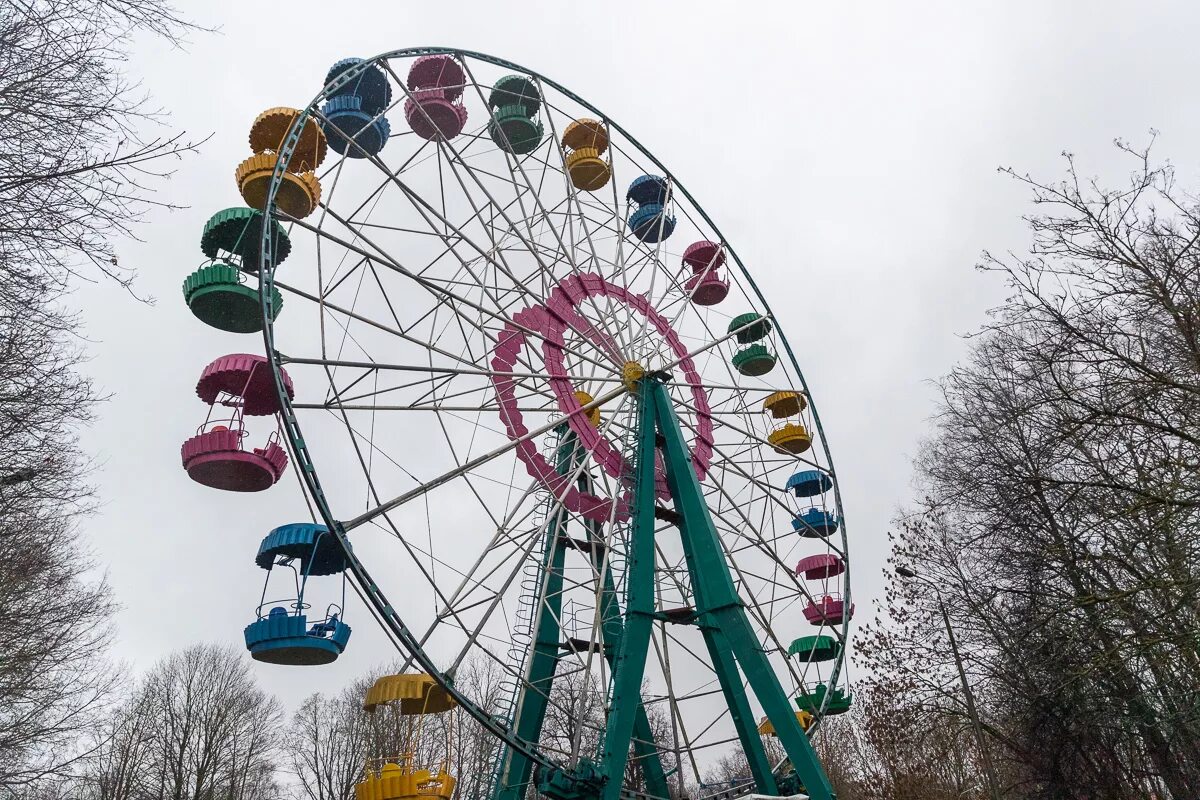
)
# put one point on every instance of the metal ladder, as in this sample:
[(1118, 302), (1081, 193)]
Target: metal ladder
[(532, 576)]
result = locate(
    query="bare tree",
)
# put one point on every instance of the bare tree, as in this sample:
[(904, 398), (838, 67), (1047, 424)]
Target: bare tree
[(196, 727), (213, 732), (474, 748), (75, 169), (1061, 514), (329, 742), (887, 748), (331, 739), (124, 753), (74, 176), (54, 682)]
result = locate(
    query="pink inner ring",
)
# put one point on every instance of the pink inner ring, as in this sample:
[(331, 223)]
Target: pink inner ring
[(552, 320)]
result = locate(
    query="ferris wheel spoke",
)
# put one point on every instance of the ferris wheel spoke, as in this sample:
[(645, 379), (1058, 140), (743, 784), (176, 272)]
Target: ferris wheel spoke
[(381, 256), (607, 215), (714, 339), (493, 599), (437, 289), (459, 299), (450, 371), (422, 403), (488, 389), (456, 605), (685, 300), (678, 728), (426, 399), (512, 224), (709, 345), (448, 242), (619, 269), (449, 249), (346, 334), (559, 621), (355, 437), (752, 439), (562, 256), (697, 659), (325, 304), (343, 276), (479, 185), (634, 267), (470, 579), (656, 258), (425, 404), (472, 464), (473, 163), (372, 200), (566, 252)]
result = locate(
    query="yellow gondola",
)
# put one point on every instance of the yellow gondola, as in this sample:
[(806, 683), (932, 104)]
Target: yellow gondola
[(299, 191), (297, 195), (398, 775), (270, 129), (790, 437), (414, 693), (586, 140)]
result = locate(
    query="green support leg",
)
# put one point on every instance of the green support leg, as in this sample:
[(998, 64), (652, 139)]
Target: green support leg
[(739, 709), (723, 607), (725, 667), (639, 609), (645, 750)]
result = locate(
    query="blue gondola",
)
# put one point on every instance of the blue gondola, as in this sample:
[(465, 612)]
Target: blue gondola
[(284, 634), (650, 221)]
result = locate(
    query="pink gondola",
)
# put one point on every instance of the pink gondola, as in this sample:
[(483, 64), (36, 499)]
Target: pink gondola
[(215, 456)]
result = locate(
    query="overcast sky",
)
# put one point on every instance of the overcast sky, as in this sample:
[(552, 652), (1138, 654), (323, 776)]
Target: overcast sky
[(847, 150)]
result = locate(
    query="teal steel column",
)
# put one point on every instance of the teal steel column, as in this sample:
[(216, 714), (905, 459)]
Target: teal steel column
[(514, 777), (723, 607), (645, 752), (721, 654), (645, 749), (724, 665), (639, 606)]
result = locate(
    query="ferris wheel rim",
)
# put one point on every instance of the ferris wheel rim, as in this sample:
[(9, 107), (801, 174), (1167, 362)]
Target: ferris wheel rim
[(293, 433)]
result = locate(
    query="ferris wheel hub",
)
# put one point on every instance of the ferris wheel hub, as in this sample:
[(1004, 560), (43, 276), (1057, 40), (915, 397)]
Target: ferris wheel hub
[(631, 373)]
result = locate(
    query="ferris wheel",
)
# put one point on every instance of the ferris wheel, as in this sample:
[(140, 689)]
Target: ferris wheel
[(544, 420)]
